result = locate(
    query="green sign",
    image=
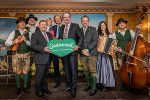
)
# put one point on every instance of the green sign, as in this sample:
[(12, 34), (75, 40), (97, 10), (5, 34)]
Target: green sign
[(61, 48)]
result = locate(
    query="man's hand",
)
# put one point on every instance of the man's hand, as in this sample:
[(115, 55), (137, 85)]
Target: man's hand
[(15, 41), (119, 49), (85, 52), (60, 39), (47, 50), (139, 26), (76, 48), (24, 39)]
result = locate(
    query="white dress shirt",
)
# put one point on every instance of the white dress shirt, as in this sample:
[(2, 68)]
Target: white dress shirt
[(32, 30), (44, 35), (84, 30), (113, 36), (68, 27), (10, 38)]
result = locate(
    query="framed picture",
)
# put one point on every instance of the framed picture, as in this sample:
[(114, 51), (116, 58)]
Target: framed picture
[(7, 25)]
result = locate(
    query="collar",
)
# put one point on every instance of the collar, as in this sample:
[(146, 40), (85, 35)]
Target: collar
[(59, 25), (43, 32), (22, 31), (30, 26), (120, 31), (85, 27), (68, 24)]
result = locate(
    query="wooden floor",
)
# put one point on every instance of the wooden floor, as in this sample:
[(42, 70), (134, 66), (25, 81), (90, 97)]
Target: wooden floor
[(7, 93)]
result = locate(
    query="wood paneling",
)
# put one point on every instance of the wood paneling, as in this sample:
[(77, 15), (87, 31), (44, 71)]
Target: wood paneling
[(132, 19)]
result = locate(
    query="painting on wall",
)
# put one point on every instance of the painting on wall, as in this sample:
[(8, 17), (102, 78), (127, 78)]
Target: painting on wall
[(7, 25), (95, 19)]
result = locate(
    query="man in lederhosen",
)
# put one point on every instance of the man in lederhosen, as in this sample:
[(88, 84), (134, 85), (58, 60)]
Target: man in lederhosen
[(31, 26), (20, 58), (124, 36), (89, 53)]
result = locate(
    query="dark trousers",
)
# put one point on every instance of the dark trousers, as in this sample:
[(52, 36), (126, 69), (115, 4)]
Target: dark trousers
[(41, 76), (55, 60), (70, 67)]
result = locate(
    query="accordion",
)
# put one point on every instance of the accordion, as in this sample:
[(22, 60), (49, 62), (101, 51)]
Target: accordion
[(106, 45)]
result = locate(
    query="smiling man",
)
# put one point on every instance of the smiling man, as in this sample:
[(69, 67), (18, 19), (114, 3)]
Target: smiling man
[(89, 53), (41, 58), (124, 36), (56, 28), (71, 30), (20, 57)]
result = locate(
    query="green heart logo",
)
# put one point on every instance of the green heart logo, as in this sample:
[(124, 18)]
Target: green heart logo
[(61, 48)]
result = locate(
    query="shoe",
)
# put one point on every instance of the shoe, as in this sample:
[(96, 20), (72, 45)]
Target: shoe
[(47, 91), (57, 85), (123, 86), (28, 85), (73, 93), (86, 88), (18, 91), (67, 89), (26, 90), (92, 92), (40, 94)]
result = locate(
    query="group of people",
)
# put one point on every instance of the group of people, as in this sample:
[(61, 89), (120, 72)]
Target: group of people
[(35, 38)]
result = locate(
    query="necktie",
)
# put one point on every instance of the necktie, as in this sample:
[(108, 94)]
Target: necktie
[(45, 37), (58, 31), (84, 29), (66, 32)]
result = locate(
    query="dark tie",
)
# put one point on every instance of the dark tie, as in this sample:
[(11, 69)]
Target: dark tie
[(45, 36), (58, 31)]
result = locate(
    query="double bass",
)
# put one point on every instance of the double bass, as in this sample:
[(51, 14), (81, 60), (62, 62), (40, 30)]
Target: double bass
[(134, 71)]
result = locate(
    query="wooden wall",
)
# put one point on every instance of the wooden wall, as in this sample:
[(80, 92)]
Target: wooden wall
[(132, 19)]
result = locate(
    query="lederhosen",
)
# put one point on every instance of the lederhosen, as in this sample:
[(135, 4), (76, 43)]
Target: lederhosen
[(21, 58), (31, 52)]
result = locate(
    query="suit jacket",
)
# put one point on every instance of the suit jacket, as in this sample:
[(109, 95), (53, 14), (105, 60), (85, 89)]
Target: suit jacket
[(74, 33), (38, 43), (54, 28), (89, 40)]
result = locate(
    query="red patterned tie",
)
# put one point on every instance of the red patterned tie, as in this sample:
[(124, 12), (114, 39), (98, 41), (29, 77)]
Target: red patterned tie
[(66, 32), (45, 37)]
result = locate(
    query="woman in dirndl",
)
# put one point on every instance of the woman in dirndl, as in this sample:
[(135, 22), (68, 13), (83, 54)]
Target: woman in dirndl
[(105, 66)]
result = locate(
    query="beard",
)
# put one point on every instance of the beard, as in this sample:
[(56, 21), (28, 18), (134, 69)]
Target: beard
[(32, 24), (22, 26), (122, 28)]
